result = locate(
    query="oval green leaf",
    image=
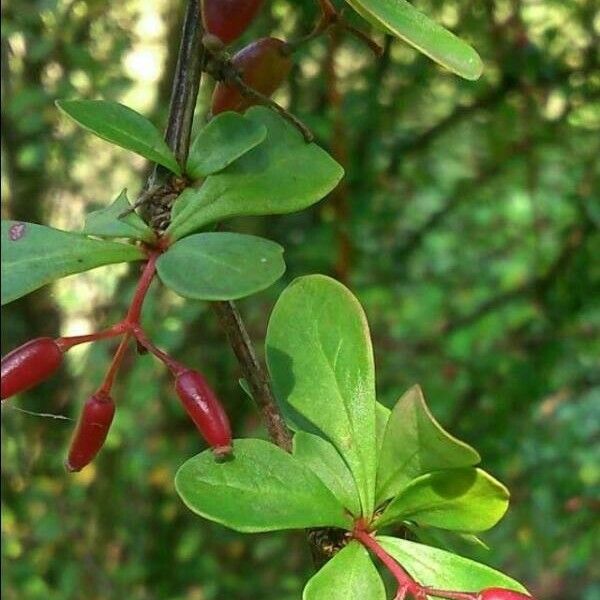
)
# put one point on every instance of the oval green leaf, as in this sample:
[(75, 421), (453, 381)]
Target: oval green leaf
[(122, 126), (107, 222), (465, 500), (34, 255), (325, 462), (403, 20), (443, 570), (321, 362), (282, 174), (262, 488), (349, 575), (414, 443), (223, 140), (221, 265)]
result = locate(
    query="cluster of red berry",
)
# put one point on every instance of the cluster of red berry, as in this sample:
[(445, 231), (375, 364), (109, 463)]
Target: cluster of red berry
[(261, 66), (38, 359)]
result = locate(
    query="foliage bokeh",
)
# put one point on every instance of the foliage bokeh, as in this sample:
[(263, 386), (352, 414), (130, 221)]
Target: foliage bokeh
[(467, 226)]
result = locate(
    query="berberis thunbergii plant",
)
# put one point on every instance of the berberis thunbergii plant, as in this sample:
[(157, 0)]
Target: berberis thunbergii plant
[(357, 471), (356, 466), (244, 166)]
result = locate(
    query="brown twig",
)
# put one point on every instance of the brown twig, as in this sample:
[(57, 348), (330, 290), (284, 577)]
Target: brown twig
[(254, 373), (183, 99)]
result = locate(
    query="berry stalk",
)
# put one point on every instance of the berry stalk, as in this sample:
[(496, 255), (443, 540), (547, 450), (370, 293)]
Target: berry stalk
[(174, 366), (109, 379)]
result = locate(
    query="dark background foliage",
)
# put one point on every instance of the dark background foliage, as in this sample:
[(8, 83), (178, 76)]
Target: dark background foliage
[(467, 225)]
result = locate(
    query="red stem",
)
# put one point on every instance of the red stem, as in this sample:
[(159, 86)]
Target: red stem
[(109, 379), (66, 343), (135, 309), (405, 582), (140, 335), (451, 595)]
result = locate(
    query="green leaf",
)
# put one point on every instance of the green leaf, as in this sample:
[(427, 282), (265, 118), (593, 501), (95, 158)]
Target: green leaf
[(122, 126), (262, 488), (466, 500), (382, 416), (283, 174), (414, 444), (321, 362), (227, 137), (349, 575), (443, 570), (34, 255), (403, 20), (325, 462), (220, 265), (186, 197), (446, 540), (246, 387), (106, 222)]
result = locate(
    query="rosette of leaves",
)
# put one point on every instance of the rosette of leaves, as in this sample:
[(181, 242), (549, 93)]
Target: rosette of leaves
[(353, 460), (238, 165)]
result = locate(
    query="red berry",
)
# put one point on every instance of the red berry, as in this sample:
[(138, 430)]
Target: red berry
[(91, 431), (28, 365), (228, 19), (264, 65), (205, 410), (501, 594)]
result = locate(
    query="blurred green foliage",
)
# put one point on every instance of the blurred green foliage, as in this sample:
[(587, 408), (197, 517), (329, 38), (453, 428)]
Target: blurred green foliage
[(467, 225)]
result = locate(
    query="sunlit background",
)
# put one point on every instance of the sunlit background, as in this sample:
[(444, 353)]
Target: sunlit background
[(467, 225)]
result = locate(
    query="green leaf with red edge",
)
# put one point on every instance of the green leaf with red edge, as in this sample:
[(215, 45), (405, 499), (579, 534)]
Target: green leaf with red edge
[(349, 575), (439, 569), (34, 255)]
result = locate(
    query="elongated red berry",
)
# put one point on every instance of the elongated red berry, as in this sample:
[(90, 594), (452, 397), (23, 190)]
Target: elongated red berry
[(501, 594), (228, 19), (264, 65), (28, 365), (91, 431), (205, 410)]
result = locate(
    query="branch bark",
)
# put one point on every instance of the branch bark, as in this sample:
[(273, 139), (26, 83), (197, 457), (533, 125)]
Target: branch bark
[(186, 83), (254, 373)]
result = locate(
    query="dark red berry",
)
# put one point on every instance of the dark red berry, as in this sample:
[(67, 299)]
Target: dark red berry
[(501, 594), (263, 65), (28, 365), (91, 431), (228, 19), (205, 410)]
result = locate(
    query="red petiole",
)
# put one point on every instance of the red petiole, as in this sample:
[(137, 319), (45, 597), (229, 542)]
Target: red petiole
[(109, 379), (406, 584)]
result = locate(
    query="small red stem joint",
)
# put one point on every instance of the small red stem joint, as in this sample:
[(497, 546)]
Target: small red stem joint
[(406, 584)]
